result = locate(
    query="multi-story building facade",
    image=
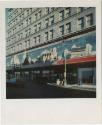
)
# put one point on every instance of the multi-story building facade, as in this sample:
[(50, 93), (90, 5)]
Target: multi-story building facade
[(42, 42)]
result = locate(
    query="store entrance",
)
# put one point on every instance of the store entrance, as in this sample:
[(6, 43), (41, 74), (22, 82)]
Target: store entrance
[(87, 76)]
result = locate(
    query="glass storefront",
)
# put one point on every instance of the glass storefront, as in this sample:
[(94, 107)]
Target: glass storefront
[(87, 76)]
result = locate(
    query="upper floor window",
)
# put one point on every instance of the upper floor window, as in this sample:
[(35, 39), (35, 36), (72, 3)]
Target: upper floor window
[(51, 20), (38, 39), (39, 26), (29, 31), (28, 11), (34, 40), (22, 15), (20, 18), (20, 46), (68, 27), (51, 34), (46, 36), (68, 11), (29, 20), (36, 16), (18, 36), (80, 9), (46, 22), (52, 9), (16, 20), (19, 26), (26, 33), (21, 9), (61, 29), (81, 23), (89, 20), (13, 31), (22, 24), (47, 10), (39, 14), (35, 28), (61, 15), (28, 43)]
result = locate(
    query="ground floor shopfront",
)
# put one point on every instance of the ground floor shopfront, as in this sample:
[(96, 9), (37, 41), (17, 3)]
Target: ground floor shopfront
[(79, 73)]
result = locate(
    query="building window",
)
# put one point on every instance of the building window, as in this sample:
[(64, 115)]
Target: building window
[(68, 27), (26, 32), (16, 20), (27, 22), (28, 43), (29, 31), (51, 20), (81, 23), (15, 39), (19, 26), (39, 26), (51, 9), (21, 36), (20, 18), (61, 29), (22, 15), (35, 28), (20, 46), (34, 40), (22, 24), (25, 46), (80, 9), (51, 34), (61, 15), (13, 31), (39, 14), (18, 36), (46, 22), (36, 16), (38, 39), (47, 10), (30, 20), (89, 20), (68, 11), (46, 36), (28, 12)]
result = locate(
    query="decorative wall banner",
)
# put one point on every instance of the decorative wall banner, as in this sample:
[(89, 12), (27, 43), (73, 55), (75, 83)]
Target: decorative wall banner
[(76, 47)]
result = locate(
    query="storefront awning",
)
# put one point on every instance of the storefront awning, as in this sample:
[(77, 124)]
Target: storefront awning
[(78, 60)]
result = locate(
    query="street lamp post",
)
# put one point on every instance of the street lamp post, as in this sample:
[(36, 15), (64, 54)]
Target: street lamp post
[(65, 69)]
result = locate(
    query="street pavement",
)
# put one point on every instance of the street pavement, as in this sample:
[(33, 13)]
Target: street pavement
[(30, 90)]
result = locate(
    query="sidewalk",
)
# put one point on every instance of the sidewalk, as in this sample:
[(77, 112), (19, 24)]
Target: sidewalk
[(76, 86)]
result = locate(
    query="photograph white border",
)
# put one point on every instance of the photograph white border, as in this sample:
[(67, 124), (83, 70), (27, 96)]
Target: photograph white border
[(69, 110)]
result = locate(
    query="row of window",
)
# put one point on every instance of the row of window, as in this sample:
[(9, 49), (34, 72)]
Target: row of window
[(82, 22), (31, 42), (48, 21), (23, 14), (25, 23), (17, 12), (37, 40), (66, 12)]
